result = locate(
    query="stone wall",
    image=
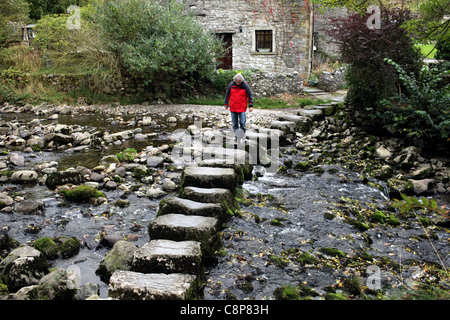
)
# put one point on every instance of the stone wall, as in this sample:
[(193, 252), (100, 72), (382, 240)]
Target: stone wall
[(290, 24), (269, 84)]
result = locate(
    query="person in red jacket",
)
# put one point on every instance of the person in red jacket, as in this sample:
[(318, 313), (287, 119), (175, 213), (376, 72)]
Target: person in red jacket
[(237, 98)]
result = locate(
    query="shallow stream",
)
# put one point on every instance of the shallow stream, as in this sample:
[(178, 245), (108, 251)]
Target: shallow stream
[(295, 201)]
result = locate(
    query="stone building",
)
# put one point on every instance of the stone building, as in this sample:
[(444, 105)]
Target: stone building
[(273, 36)]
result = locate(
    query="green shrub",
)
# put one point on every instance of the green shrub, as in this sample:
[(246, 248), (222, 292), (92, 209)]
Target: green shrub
[(421, 111), (157, 43)]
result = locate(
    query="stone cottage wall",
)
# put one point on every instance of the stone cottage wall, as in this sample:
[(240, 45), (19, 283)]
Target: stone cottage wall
[(291, 25)]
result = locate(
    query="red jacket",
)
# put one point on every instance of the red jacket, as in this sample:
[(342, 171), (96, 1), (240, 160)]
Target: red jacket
[(237, 97)]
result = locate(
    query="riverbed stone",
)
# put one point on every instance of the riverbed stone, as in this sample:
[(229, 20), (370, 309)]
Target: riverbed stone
[(130, 285), (189, 207), (24, 266), (283, 125), (24, 176), (155, 193), (167, 256), (209, 177), (16, 159), (60, 178), (120, 257), (313, 114), (180, 227), (29, 206)]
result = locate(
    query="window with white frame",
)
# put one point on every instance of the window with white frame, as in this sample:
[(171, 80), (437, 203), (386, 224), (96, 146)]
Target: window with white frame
[(263, 40)]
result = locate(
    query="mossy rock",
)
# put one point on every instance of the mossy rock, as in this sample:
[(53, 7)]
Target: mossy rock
[(302, 166), (7, 243), (82, 194), (333, 252), (127, 155), (307, 258), (378, 216), (47, 246), (68, 247)]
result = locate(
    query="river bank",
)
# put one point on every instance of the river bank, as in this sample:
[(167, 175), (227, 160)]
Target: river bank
[(319, 204)]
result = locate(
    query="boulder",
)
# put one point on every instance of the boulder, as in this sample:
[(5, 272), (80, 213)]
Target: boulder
[(16, 159), (60, 178), (154, 193), (24, 176), (22, 267), (29, 206), (120, 257)]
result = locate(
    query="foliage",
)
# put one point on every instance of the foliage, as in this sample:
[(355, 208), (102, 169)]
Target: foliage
[(156, 43), (41, 8), (368, 77), (408, 204), (13, 14), (422, 110), (52, 34), (443, 48)]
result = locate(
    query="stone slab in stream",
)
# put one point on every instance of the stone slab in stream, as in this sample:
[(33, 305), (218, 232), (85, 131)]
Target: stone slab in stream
[(207, 195), (286, 126), (167, 256), (130, 285), (191, 208), (180, 227), (209, 177)]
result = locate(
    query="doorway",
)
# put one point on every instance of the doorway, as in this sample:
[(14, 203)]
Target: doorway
[(226, 62)]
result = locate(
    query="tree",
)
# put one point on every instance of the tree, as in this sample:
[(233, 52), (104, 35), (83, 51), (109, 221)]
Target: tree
[(13, 15), (41, 8), (369, 77)]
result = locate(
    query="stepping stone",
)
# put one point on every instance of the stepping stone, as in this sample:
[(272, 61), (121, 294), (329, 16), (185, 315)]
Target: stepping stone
[(277, 135), (303, 123), (180, 227), (191, 208), (209, 177), (167, 256), (328, 108), (314, 114), (231, 155), (243, 171), (285, 126), (130, 285), (211, 195)]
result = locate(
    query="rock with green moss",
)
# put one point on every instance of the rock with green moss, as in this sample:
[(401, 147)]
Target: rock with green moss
[(120, 257), (82, 194), (68, 247), (127, 155), (47, 246), (22, 267), (302, 166), (333, 252), (60, 178), (7, 243)]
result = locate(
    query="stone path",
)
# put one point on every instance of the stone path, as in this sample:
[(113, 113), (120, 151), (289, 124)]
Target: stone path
[(186, 230)]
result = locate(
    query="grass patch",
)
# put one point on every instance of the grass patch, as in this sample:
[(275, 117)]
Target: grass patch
[(425, 50)]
